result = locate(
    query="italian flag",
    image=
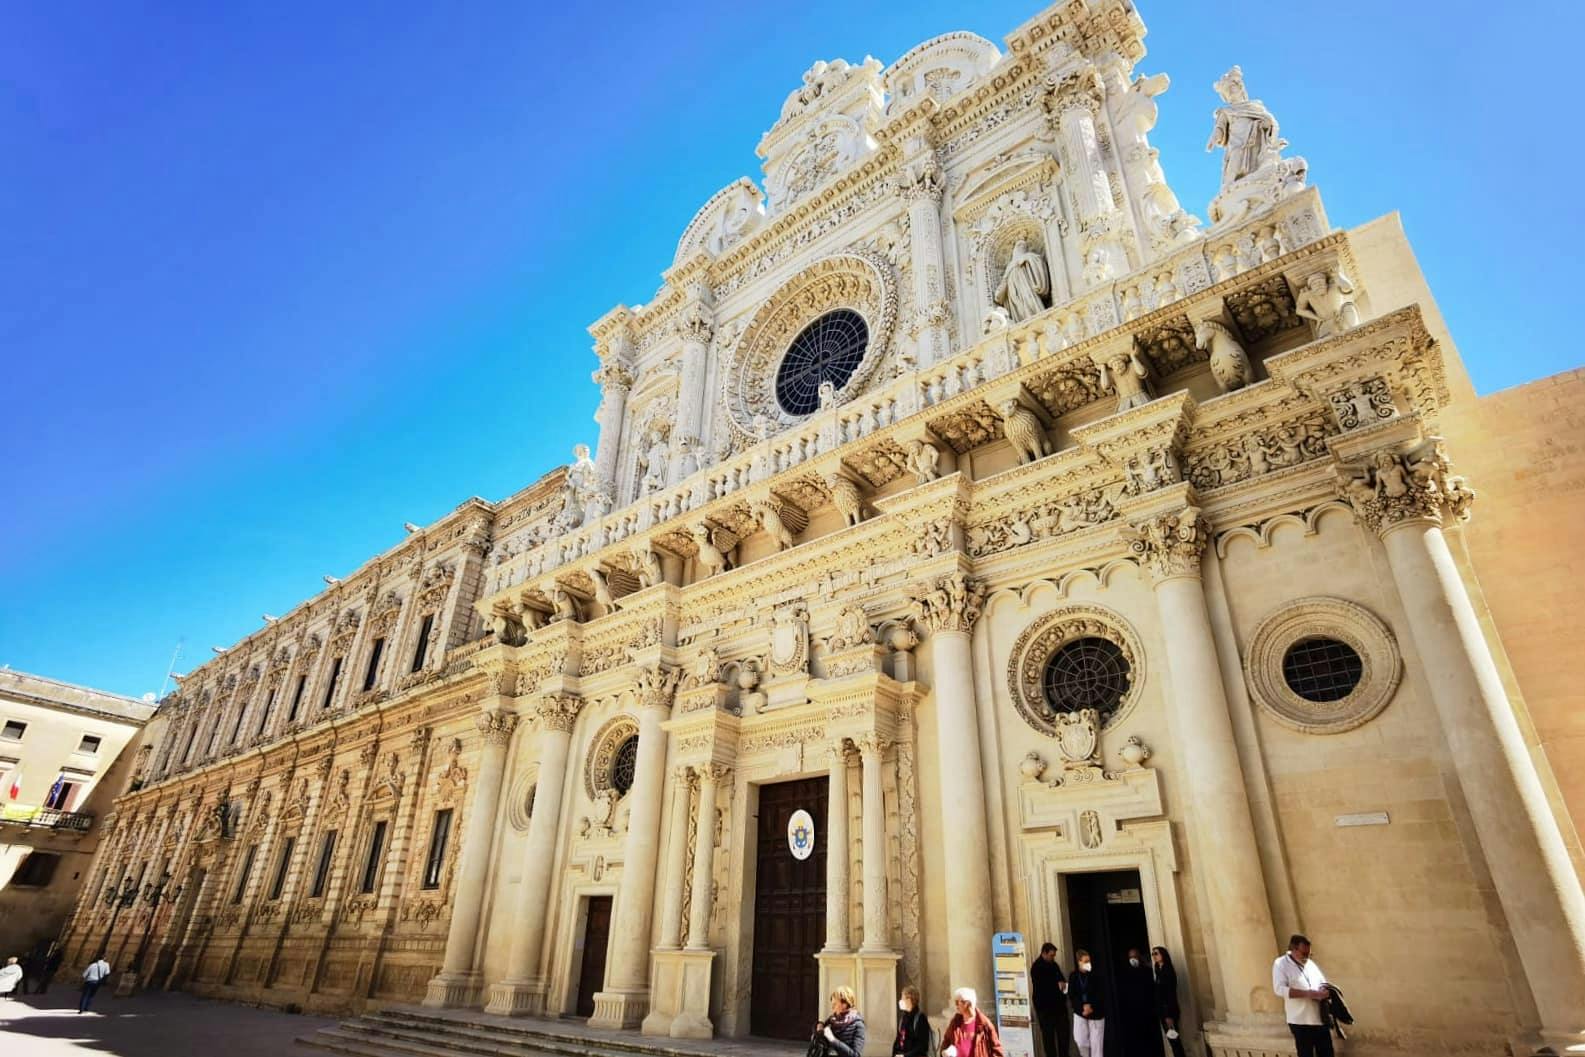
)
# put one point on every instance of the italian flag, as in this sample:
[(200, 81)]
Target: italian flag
[(14, 790)]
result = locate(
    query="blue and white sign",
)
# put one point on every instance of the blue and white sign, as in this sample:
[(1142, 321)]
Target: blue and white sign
[(801, 834)]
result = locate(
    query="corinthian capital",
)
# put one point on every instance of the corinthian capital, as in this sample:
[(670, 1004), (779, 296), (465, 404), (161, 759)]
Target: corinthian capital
[(1170, 545), (922, 180), (558, 711), (697, 323), (496, 727), (1388, 489), (949, 603), (656, 684), (613, 375)]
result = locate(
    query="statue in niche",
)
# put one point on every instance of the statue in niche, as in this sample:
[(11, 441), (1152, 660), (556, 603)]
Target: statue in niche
[(653, 461), (1245, 130), (1025, 283)]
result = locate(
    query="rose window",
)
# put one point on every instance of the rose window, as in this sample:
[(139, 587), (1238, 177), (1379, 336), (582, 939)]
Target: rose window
[(828, 350), (1089, 672)]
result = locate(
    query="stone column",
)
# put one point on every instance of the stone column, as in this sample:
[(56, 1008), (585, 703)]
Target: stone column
[(696, 327), (614, 380), (710, 778), (1223, 830), (457, 983), (1406, 500), (523, 992), (921, 184), (838, 849), (947, 607), (1076, 100), (877, 933), (676, 859), (624, 1000)]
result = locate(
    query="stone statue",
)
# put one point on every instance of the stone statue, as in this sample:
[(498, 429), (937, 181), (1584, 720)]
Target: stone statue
[(1125, 375), (1327, 301), (1025, 283), (1229, 363), (653, 461), (921, 459), (1244, 129), (583, 482)]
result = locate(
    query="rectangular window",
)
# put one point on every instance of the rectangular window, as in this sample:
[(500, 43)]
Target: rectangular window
[(437, 848), (280, 871), (236, 728), (13, 730), (37, 870), (89, 745), (214, 735), (192, 736), (374, 664), (330, 689), (297, 698), (371, 866), (327, 849), (269, 706), (60, 795), (242, 878), (421, 652)]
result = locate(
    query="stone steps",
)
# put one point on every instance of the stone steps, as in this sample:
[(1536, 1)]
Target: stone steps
[(418, 1032)]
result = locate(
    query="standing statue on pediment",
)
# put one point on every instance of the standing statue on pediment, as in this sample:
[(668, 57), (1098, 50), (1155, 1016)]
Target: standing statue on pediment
[(1244, 129), (1026, 283)]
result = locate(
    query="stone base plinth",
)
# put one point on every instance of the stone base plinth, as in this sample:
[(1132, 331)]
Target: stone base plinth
[(456, 990), (873, 977), (692, 969), (517, 998), (619, 1010), (127, 984), (1260, 1039)]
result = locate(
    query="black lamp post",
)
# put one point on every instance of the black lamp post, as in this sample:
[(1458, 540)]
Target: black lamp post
[(153, 894), (120, 898)]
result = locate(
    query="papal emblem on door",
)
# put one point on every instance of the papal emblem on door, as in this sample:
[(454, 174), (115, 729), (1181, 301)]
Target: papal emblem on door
[(801, 834)]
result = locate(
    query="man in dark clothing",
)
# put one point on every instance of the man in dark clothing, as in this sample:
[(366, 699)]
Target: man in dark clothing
[(52, 963), (1136, 1006), (1049, 988)]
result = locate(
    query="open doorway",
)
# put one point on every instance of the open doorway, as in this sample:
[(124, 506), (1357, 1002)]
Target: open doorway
[(1106, 916), (591, 962)]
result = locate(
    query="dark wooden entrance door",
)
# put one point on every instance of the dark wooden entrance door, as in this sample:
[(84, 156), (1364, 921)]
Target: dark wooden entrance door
[(789, 914), (596, 934), (1107, 917)]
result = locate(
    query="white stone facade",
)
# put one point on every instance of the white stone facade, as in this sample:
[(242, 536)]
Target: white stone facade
[(1075, 414)]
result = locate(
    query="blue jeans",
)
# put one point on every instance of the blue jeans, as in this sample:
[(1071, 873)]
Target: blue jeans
[(89, 987)]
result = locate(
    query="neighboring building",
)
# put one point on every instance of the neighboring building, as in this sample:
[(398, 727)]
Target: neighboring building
[(64, 758), (974, 541)]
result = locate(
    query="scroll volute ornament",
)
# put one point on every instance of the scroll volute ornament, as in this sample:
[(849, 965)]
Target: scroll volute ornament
[(948, 603), (1169, 545)]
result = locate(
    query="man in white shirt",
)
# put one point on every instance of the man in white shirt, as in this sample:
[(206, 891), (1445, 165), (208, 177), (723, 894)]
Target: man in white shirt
[(1301, 985), (96, 973)]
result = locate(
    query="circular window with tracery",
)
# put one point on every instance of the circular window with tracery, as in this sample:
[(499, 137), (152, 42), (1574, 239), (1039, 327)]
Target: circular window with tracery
[(1072, 659), (828, 350), (1322, 665), (624, 765)]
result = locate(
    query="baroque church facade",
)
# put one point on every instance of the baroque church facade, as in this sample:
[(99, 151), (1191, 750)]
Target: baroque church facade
[(975, 541)]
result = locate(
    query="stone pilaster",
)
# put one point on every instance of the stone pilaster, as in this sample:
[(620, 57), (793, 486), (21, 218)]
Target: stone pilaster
[(666, 999), (697, 327), (838, 852), (693, 1017), (921, 185), (614, 379)]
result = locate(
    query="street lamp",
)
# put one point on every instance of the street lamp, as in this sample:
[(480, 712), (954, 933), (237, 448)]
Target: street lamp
[(120, 898), (153, 895)]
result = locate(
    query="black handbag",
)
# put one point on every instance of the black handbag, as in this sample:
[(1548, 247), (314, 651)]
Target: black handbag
[(817, 1048)]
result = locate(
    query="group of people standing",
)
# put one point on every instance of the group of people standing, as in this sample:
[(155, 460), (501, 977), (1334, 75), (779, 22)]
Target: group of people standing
[(31, 972), (1076, 1008), (970, 1033)]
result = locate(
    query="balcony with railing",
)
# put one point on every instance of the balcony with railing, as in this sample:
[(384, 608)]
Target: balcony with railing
[(33, 816)]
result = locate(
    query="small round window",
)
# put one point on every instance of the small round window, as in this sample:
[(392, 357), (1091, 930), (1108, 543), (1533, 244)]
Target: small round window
[(1321, 669), (623, 765), (1089, 672), (828, 350)]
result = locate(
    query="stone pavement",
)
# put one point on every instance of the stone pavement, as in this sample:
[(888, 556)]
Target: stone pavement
[(156, 1024)]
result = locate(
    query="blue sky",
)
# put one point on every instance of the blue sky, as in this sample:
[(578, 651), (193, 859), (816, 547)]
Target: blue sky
[(276, 278)]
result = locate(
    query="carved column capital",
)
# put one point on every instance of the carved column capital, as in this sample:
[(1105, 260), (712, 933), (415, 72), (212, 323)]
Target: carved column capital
[(656, 685), (948, 603), (696, 323), (613, 376), (558, 712), (1169, 545), (683, 776), (716, 773), (872, 744), (839, 752), (922, 180), (1388, 490), (496, 727)]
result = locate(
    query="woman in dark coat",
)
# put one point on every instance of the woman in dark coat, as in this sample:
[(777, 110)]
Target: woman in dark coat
[(843, 1032), (913, 1029), (1167, 997)]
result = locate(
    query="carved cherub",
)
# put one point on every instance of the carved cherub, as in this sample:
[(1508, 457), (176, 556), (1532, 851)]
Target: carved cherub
[(921, 460)]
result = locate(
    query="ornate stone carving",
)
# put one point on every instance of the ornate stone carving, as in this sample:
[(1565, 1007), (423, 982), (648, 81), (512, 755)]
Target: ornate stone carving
[(1023, 431), (921, 460), (1390, 489), (1254, 173), (1229, 363), (1148, 471), (655, 685), (1134, 752), (453, 778), (846, 497), (852, 629), (922, 180), (948, 603), (1024, 290), (1026, 673), (1327, 302), (558, 712), (1124, 374), (768, 512), (496, 727), (711, 557), (789, 640), (1322, 618), (1170, 545), (1090, 835), (1363, 403)]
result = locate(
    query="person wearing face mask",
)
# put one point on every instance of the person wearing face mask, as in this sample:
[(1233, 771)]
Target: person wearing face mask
[(1136, 1007), (1087, 996), (1048, 989), (1166, 986), (913, 1029)]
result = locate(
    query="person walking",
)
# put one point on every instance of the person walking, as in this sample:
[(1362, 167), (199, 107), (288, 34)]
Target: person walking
[(843, 1032), (913, 1028), (10, 976), (1166, 989), (1136, 1007), (1048, 989), (970, 1032), (97, 973), (1301, 985), (1087, 996)]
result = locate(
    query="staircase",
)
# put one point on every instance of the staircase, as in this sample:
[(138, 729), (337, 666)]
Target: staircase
[(415, 1031)]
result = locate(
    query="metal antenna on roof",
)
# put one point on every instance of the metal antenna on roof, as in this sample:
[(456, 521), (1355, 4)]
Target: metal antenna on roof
[(169, 668)]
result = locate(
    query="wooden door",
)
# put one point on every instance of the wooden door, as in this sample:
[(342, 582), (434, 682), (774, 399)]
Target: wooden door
[(596, 937), (789, 914)]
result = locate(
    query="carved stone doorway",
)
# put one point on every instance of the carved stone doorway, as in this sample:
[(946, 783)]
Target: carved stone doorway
[(789, 914), (596, 938), (1106, 916)]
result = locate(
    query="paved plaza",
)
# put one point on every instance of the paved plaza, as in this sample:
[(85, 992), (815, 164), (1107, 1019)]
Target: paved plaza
[(158, 1024)]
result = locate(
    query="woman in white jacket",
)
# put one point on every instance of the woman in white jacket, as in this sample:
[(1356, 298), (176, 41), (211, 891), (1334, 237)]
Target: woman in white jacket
[(9, 977)]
